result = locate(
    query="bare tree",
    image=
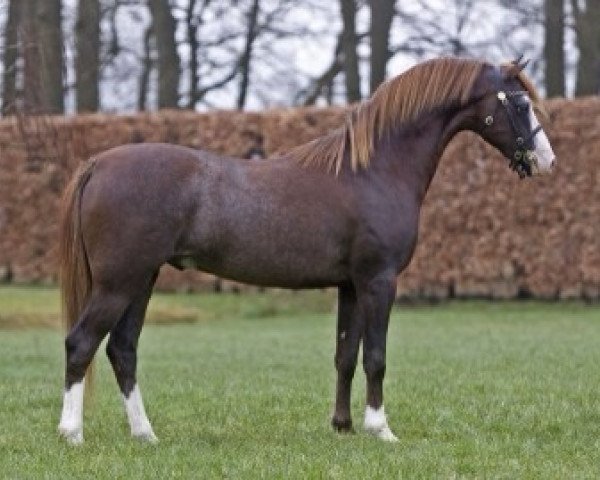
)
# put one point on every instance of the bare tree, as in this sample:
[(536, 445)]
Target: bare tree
[(147, 63), (204, 72), (127, 56), (225, 39), (382, 14), (32, 94), (192, 24), (87, 62), (349, 50), (245, 60), (168, 58), (43, 55), (554, 53), (50, 38), (588, 41), (11, 55), (234, 53), (438, 31), (323, 83)]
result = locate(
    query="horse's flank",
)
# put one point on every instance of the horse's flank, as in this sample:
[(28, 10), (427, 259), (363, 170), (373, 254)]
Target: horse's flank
[(428, 86)]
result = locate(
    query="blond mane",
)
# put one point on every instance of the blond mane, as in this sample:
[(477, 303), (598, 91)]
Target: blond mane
[(430, 85)]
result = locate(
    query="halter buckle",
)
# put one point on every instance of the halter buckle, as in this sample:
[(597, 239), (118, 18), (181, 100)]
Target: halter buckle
[(489, 120)]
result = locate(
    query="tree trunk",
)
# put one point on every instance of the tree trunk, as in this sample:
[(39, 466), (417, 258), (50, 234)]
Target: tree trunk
[(11, 55), (554, 53), (87, 62), (192, 33), (247, 54), (168, 58), (588, 42), (43, 57), (32, 87), (349, 50), (146, 69), (382, 14)]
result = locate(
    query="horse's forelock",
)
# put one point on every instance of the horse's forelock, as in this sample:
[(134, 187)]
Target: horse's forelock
[(515, 71)]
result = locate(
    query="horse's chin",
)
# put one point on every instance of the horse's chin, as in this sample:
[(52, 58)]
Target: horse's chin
[(534, 169)]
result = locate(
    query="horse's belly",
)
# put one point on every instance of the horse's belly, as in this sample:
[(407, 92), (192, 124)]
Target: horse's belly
[(286, 269)]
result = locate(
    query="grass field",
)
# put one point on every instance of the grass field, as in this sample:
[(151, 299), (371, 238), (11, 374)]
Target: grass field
[(242, 387)]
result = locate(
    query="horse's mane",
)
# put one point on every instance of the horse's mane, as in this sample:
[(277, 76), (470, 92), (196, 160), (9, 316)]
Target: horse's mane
[(430, 85)]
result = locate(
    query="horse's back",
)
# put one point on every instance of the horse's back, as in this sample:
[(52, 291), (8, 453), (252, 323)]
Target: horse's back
[(154, 158)]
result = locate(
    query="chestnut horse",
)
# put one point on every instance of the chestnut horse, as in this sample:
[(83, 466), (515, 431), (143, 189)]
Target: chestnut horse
[(341, 211)]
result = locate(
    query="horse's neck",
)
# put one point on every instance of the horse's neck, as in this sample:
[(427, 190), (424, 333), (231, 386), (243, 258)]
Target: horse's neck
[(411, 154)]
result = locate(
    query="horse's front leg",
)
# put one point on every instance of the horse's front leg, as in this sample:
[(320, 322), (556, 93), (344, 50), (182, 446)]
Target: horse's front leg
[(375, 299), (349, 331)]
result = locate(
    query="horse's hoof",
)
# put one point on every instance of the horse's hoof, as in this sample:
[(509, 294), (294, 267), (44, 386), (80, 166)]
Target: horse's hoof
[(72, 436), (148, 437), (384, 434), (342, 426)]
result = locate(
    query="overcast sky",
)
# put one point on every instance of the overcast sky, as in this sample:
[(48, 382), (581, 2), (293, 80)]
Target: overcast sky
[(308, 56)]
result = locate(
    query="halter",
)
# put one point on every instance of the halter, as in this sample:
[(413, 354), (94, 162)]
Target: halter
[(524, 158)]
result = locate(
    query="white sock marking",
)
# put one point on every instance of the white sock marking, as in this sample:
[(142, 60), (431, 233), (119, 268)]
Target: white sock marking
[(71, 419), (136, 414), (376, 424)]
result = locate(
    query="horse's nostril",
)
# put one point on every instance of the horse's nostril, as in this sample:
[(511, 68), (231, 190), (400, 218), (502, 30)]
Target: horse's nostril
[(553, 163)]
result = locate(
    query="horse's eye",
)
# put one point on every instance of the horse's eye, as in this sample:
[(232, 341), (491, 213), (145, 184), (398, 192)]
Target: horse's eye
[(522, 107)]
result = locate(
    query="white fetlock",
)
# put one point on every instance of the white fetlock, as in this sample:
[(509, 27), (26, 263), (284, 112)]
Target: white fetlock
[(376, 424), (136, 414), (71, 419)]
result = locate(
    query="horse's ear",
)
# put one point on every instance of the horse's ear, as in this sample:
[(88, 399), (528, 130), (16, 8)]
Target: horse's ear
[(519, 63), (522, 65), (518, 60), (514, 68)]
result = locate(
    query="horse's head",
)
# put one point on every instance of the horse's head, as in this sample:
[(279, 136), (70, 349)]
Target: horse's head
[(504, 116)]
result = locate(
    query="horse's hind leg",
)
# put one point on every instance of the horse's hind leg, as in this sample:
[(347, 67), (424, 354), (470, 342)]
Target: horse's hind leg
[(102, 311), (122, 352)]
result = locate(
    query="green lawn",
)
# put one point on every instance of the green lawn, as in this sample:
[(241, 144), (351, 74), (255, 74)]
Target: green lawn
[(242, 387)]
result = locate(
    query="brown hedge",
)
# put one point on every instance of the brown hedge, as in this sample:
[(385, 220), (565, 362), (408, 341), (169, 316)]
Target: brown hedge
[(483, 231)]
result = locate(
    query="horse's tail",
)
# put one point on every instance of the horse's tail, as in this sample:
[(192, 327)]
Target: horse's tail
[(75, 275)]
